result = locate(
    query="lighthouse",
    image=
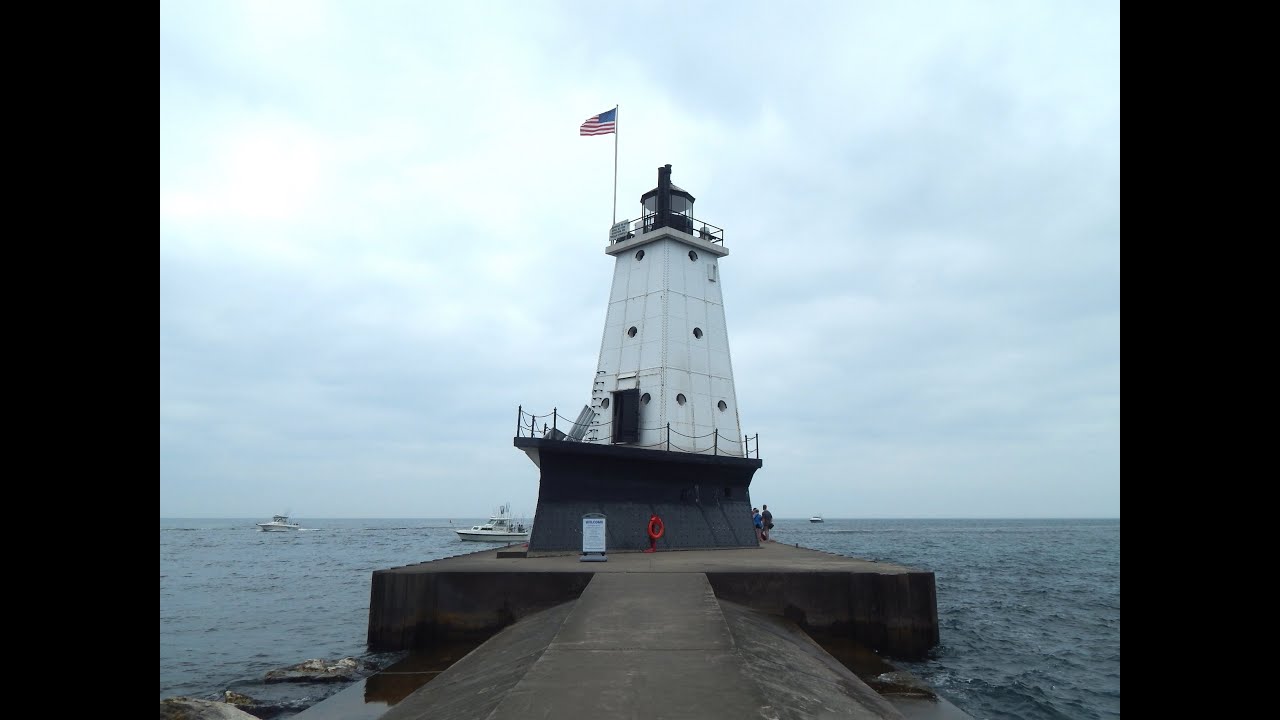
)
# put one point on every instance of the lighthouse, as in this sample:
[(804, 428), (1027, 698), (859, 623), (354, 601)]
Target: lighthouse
[(661, 434)]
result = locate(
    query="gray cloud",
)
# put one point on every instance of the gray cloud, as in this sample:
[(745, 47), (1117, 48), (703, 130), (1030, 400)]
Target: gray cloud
[(380, 233)]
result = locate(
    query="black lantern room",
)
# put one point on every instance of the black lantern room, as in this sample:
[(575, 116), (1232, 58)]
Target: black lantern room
[(667, 205)]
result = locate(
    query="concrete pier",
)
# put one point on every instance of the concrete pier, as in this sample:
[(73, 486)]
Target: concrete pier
[(688, 634), (639, 645), (888, 608)]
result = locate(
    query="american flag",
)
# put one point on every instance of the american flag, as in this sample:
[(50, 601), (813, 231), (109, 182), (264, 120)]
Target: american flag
[(602, 124)]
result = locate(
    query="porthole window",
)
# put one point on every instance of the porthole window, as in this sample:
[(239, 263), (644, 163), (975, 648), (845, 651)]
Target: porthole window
[(722, 405), (631, 331), (680, 399), (640, 254), (693, 256), (697, 332), (644, 399), (604, 403)]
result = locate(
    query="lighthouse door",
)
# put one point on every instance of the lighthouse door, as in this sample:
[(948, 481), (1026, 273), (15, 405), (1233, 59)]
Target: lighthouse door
[(626, 416)]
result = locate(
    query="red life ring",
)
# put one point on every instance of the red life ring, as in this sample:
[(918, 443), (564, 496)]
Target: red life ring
[(655, 527)]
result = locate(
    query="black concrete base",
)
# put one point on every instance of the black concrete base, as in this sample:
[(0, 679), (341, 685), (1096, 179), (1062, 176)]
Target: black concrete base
[(704, 501)]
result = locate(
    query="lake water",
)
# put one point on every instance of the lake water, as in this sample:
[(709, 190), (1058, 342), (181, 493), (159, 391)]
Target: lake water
[(1029, 610)]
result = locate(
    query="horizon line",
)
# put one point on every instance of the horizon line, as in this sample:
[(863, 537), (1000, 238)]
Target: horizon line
[(446, 517)]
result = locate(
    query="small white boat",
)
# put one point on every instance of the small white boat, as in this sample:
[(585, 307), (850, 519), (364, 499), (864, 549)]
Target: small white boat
[(816, 518), (501, 527), (279, 523)]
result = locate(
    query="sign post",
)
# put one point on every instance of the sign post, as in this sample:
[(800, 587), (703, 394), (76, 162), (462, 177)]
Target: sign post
[(593, 542)]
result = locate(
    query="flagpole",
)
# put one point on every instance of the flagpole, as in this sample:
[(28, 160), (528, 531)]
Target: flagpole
[(615, 166)]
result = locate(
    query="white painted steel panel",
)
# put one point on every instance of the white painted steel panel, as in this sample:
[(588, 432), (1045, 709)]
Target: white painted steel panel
[(609, 361), (720, 365), (701, 384), (665, 296), (699, 363), (630, 358), (651, 355)]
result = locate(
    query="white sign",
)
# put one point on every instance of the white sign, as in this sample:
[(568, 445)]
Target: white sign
[(619, 230), (593, 534)]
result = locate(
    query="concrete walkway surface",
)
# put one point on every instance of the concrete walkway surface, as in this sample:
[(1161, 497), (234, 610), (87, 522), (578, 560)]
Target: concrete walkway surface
[(647, 646)]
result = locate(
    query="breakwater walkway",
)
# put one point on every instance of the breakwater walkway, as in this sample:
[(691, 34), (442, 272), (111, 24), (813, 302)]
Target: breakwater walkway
[(686, 634), (888, 608), (646, 646)]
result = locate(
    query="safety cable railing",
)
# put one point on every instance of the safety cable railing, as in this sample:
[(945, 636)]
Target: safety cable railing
[(527, 426)]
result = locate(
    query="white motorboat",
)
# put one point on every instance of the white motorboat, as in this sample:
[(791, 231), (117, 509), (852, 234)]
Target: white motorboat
[(501, 527), (279, 523), (816, 518)]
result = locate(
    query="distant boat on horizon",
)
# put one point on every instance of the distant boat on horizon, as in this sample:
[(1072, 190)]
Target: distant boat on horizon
[(279, 523), (816, 518)]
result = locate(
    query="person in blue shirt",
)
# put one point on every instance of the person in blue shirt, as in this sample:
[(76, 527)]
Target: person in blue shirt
[(758, 521)]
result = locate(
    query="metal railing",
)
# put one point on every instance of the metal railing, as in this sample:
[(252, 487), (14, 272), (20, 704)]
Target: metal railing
[(527, 426), (700, 229)]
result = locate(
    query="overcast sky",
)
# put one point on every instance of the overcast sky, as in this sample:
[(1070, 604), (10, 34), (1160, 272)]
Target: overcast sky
[(380, 233)]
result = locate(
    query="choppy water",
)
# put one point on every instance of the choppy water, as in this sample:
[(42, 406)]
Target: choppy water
[(1029, 610)]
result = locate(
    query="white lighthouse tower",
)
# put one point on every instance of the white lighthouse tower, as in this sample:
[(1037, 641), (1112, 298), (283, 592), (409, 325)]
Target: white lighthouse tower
[(665, 377), (661, 435)]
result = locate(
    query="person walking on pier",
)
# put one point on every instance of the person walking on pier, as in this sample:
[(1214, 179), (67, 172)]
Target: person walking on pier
[(766, 522), (758, 521)]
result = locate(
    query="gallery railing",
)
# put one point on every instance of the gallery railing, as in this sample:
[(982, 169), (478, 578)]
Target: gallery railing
[(701, 229), (557, 427)]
